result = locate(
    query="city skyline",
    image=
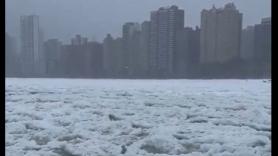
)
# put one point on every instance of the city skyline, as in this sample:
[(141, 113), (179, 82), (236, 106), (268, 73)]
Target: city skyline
[(99, 20), (138, 77), (162, 47)]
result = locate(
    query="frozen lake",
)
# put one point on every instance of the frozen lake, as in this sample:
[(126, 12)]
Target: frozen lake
[(81, 117)]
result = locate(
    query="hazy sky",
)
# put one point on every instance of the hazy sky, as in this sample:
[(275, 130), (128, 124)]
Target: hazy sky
[(63, 19)]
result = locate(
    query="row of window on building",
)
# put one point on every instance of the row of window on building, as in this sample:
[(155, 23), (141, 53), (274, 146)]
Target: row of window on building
[(160, 47)]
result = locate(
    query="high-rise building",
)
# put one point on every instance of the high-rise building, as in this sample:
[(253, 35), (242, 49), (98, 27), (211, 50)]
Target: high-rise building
[(144, 53), (220, 34), (135, 57), (112, 56), (165, 22), (42, 63), (108, 51), (52, 53), (262, 50), (11, 57), (75, 57), (131, 35), (65, 60), (194, 54), (247, 44), (31, 42), (188, 52), (79, 40), (263, 40), (94, 58), (118, 61), (82, 58)]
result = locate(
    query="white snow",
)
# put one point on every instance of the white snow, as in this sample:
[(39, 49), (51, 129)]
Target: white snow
[(82, 117)]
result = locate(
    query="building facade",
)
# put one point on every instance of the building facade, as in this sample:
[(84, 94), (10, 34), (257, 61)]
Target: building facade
[(113, 64), (11, 57), (31, 45), (79, 40), (108, 51), (188, 52), (262, 49), (220, 34), (263, 40), (165, 23), (52, 53), (82, 59), (94, 58), (131, 34), (247, 44), (144, 56)]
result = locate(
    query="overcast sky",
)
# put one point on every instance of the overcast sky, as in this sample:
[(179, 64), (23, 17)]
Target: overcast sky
[(63, 19)]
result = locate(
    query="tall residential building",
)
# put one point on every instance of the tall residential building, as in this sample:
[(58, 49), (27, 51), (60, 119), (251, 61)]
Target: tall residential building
[(107, 55), (131, 33), (79, 40), (52, 51), (42, 63), (262, 50), (31, 50), (112, 56), (118, 46), (135, 57), (82, 59), (75, 57), (165, 22), (220, 34), (11, 58), (247, 44), (263, 40), (188, 52), (144, 53), (94, 58)]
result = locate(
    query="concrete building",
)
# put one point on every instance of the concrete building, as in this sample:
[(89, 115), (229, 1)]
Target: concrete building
[(144, 53), (263, 40), (108, 51), (135, 57), (112, 56), (74, 57), (65, 60), (42, 63), (262, 50), (220, 34), (31, 45), (188, 52), (131, 34), (82, 59), (194, 54), (247, 44), (165, 22), (79, 40), (11, 57), (94, 58), (128, 56), (52, 51), (119, 63)]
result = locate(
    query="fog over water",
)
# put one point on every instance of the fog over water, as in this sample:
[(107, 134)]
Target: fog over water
[(63, 19)]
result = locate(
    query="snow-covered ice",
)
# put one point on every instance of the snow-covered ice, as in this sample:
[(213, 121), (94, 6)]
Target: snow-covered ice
[(82, 117)]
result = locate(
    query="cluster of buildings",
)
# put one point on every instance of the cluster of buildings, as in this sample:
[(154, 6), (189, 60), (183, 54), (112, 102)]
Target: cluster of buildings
[(256, 48), (159, 48)]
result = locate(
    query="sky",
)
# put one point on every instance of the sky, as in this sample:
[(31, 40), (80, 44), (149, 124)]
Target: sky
[(63, 19)]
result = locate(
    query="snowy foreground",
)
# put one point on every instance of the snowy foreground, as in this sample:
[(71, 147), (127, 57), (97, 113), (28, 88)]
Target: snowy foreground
[(51, 117)]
